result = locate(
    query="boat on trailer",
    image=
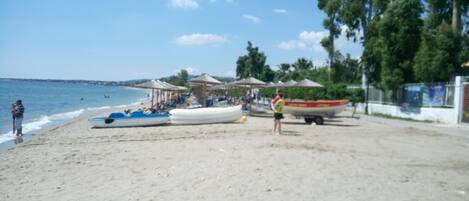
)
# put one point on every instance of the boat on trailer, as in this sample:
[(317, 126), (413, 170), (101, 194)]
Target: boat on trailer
[(315, 111), (134, 119), (205, 115)]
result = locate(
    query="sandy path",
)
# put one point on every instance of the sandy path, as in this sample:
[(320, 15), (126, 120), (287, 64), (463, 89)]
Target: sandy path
[(347, 159)]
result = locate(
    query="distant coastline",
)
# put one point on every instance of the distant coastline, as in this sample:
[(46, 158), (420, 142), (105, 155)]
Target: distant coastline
[(128, 83), (92, 82)]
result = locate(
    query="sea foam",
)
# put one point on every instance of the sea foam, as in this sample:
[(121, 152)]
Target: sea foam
[(42, 121)]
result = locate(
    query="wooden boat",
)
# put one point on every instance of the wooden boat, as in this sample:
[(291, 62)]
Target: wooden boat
[(206, 115), (135, 119), (314, 110)]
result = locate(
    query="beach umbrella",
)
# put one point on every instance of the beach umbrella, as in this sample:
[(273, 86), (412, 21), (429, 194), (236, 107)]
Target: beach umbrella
[(270, 85), (151, 84), (217, 87), (250, 81), (305, 84), (169, 87), (279, 84), (290, 83), (181, 88), (204, 80)]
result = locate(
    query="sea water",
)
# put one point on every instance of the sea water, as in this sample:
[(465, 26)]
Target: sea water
[(51, 103)]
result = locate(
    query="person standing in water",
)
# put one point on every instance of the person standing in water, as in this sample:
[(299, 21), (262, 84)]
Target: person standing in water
[(13, 111), (277, 107), (18, 114)]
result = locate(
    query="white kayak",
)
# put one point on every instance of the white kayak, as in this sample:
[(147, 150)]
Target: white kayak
[(135, 119), (206, 115)]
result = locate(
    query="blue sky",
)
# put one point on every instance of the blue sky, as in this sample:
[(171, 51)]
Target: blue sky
[(122, 40)]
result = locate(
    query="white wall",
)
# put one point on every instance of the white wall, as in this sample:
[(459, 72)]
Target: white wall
[(444, 115)]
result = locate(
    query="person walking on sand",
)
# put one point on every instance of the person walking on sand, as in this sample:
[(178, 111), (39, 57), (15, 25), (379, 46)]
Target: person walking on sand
[(19, 111), (277, 107)]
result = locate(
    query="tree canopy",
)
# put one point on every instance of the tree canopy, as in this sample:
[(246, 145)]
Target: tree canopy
[(253, 64)]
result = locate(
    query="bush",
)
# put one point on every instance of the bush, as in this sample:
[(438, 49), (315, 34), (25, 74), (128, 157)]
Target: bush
[(328, 92)]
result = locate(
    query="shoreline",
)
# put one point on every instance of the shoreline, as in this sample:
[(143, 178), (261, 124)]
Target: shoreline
[(9, 144)]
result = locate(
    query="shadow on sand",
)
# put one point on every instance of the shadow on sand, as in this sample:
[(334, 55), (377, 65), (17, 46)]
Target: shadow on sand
[(326, 123), (291, 133)]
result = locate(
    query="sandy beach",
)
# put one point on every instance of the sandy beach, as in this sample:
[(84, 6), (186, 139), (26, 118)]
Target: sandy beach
[(369, 158)]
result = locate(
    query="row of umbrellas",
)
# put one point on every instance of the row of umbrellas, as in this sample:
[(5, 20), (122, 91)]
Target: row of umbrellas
[(255, 83), (206, 80)]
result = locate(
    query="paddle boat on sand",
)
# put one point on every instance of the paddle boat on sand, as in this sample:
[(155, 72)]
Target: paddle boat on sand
[(137, 118), (205, 115), (314, 111)]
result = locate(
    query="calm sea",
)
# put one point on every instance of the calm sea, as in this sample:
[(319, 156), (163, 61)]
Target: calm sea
[(52, 103)]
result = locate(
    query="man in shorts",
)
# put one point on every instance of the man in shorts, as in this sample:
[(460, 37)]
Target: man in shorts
[(277, 107)]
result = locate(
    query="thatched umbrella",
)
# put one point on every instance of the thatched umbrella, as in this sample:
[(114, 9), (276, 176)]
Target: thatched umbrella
[(279, 84), (152, 84), (249, 83), (269, 85), (290, 83), (307, 84), (204, 80)]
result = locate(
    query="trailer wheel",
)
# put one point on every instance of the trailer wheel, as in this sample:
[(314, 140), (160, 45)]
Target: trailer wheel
[(319, 120), (309, 120)]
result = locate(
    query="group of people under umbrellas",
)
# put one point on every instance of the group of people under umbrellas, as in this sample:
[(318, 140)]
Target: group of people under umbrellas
[(167, 95), (277, 102), (205, 82)]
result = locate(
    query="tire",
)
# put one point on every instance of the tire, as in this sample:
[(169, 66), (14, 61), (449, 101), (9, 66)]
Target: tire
[(319, 120), (309, 120)]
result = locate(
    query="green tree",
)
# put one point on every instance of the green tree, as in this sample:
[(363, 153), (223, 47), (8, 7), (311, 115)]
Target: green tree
[(332, 24), (438, 56), (347, 70), (442, 49), (183, 77), (283, 72), (253, 64), (399, 33), (363, 16)]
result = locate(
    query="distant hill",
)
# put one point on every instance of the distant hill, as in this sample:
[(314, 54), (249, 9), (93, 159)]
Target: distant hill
[(113, 83)]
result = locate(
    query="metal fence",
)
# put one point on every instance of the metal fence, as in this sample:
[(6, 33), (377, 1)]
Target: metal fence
[(415, 95)]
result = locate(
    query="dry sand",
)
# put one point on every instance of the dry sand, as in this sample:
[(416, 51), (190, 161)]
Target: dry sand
[(346, 159)]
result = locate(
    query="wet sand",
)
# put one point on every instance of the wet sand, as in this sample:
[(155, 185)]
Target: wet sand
[(347, 159)]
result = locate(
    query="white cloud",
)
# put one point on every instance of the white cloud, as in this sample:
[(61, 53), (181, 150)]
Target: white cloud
[(311, 40), (306, 40), (279, 11), (200, 39), (227, 1), (185, 4), (252, 18)]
